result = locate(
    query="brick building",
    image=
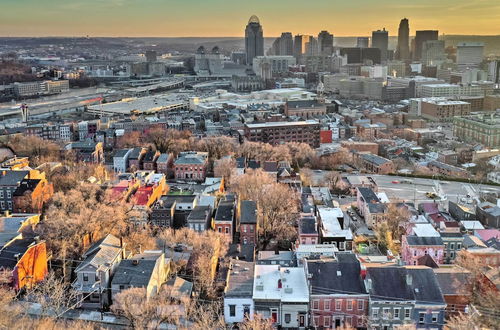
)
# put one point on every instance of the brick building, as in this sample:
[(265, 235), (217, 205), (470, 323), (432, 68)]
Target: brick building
[(248, 222), (191, 165), (338, 294), (281, 132), (305, 108)]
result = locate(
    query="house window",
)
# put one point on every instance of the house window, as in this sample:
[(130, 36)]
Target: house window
[(232, 310), (407, 313), (2, 204), (415, 253), (9, 194), (385, 313), (452, 308), (349, 305), (434, 317), (341, 246), (244, 229), (452, 246), (122, 287), (220, 229), (459, 246), (421, 317), (327, 305), (288, 318), (227, 230), (425, 252), (1, 193), (326, 321), (375, 313), (85, 277), (315, 304), (316, 321), (396, 313), (361, 305), (435, 253), (348, 320), (338, 304)]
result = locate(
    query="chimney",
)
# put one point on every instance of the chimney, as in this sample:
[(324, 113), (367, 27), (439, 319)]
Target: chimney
[(362, 272), (409, 279), (280, 285)]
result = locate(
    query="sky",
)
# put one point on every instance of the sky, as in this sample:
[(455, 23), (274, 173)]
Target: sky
[(227, 18)]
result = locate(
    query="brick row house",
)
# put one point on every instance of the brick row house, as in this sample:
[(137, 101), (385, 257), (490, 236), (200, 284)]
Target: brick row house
[(338, 296)]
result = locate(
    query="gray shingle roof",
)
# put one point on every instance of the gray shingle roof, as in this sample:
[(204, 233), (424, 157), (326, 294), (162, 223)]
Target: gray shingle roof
[(12, 178), (101, 253), (336, 276), (248, 211), (135, 273), (417, 240), (121, 153), (368, 195)]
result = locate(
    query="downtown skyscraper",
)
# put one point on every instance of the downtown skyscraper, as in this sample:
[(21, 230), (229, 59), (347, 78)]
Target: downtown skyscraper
[(403, 49), (254, 39), (380, 40)]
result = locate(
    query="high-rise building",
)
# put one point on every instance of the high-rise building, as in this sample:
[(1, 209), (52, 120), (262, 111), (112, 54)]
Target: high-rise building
[(362, 42), (325, 43), (494, 71), (283, 45), (206, 63), (403, 50), (420, 38), (299, 45), (433, 52), (254, 39), (311, 46), (150, 56), (380, 40), (469, 54)]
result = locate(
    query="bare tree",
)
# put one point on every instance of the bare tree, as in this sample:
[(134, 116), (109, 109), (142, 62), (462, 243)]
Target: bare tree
[(224, 168), (85, 211), (250, 185), (54, 295), (145, 312), (278, 205), (257, 323)]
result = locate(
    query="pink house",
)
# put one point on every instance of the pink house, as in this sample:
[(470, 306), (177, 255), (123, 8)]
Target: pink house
[(413, 248), (308, 230)]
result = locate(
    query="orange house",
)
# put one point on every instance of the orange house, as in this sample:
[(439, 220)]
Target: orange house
[(27, 261), (31, 195)]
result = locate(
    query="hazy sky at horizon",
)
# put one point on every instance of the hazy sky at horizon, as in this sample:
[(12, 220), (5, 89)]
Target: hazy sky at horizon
[(206, 18)]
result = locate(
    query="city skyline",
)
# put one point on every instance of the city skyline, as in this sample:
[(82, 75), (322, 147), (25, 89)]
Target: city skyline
[(173, 18)]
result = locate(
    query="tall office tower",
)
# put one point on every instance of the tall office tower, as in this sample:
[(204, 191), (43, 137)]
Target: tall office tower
[(403, 50), (380, 40), (286, 44), (469, 54), (494, 71), (311, 46), (420, 38), (433, 52), (150, 56), (299, 45), (325, 43), (363, 42), (254, 39)]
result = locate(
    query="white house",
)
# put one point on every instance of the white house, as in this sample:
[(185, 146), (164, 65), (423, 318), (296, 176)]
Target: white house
[(281, 294), (120, 160), (238, 300), (94, 273)]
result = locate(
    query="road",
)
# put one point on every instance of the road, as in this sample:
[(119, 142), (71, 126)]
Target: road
[(416, 188)]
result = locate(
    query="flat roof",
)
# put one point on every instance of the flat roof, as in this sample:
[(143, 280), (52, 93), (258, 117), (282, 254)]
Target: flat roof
[(293, 280), (283, 123)]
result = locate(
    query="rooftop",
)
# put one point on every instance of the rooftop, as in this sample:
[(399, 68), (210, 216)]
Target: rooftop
[(240, 280), (292, 280)]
